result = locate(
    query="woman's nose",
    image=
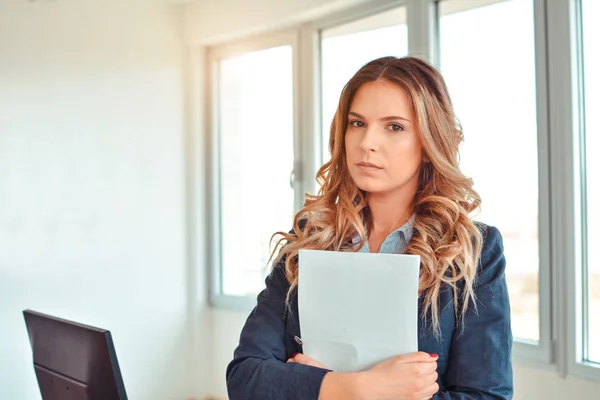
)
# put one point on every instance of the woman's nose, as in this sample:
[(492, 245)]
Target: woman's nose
[(369, 140)]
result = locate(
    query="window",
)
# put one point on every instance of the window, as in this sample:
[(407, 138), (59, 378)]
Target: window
[(591, 175), (254, 118), (495, 102), (346, 48)]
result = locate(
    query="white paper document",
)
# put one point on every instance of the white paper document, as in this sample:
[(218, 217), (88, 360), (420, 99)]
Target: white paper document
[(357, 309)]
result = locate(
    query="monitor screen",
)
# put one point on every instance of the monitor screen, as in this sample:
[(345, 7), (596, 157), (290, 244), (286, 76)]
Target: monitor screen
[(73, 361)]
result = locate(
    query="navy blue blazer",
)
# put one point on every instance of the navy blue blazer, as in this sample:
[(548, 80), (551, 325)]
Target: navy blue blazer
[(474, 363)]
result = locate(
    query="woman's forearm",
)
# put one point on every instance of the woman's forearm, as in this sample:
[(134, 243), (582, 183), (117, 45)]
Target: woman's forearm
[(340, 386)]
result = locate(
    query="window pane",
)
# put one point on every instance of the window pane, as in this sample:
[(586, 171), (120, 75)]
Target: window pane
[(490, 71), (346, 48), (591, 66), (256, 157)]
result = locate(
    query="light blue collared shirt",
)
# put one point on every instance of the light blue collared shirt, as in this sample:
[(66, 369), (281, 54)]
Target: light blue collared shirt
[(395, 242)]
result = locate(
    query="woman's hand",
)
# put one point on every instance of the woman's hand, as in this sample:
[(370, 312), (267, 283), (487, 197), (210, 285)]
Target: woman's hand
[(409, 376), (406, 377), (306, 360)]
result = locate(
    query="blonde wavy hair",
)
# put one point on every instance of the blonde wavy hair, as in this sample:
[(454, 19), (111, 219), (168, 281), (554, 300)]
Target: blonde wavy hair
[(444, 236)]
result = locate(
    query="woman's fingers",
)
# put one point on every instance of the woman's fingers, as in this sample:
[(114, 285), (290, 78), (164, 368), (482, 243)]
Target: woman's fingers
[(427, 368), (306, 360), (429, 391), (418, 357)]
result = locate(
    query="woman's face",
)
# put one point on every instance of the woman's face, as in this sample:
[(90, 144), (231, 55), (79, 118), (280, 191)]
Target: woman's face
[(383, 148)]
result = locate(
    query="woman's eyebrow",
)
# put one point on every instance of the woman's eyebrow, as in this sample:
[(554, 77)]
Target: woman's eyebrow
[(390, 118)]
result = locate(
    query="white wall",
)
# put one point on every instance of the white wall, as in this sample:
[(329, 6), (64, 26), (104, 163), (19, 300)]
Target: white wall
[(534, 383), (93, 188), (214, 22)]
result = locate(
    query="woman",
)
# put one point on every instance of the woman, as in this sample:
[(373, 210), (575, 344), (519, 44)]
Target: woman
[(392, 185)]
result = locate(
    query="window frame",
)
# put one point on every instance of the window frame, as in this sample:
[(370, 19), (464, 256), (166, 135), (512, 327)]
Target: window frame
[(217, 298), (566, 38), (538, 353)]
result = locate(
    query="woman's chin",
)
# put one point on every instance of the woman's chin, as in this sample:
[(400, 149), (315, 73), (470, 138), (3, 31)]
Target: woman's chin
[(370, 186)]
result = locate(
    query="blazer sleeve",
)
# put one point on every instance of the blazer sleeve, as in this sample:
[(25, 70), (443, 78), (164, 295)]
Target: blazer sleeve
[(480, 362), (259, 369)]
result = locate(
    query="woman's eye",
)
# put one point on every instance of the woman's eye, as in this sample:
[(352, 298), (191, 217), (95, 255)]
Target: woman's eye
[(357, 124), (395, 128)]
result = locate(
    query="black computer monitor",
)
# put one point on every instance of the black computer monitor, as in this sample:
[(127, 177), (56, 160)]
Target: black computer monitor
[(73, 361)]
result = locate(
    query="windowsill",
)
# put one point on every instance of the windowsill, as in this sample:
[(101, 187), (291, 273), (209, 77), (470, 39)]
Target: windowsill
[(242, 304)]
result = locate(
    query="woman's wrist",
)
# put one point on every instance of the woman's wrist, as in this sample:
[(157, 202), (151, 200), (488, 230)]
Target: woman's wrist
[(342, 386)]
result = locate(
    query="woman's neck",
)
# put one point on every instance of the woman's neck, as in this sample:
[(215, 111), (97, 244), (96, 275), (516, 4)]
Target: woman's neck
[(389, 212)]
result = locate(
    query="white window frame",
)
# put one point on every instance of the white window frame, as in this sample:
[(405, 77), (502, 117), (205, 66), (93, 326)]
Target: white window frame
[(583, 368), (216, 296), (539, 354), (527, 352), (564, 51)]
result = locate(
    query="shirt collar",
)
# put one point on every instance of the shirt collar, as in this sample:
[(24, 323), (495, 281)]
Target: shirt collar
[(406, 230)]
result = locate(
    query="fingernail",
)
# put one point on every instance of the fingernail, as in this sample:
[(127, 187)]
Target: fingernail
[(433, 355)]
